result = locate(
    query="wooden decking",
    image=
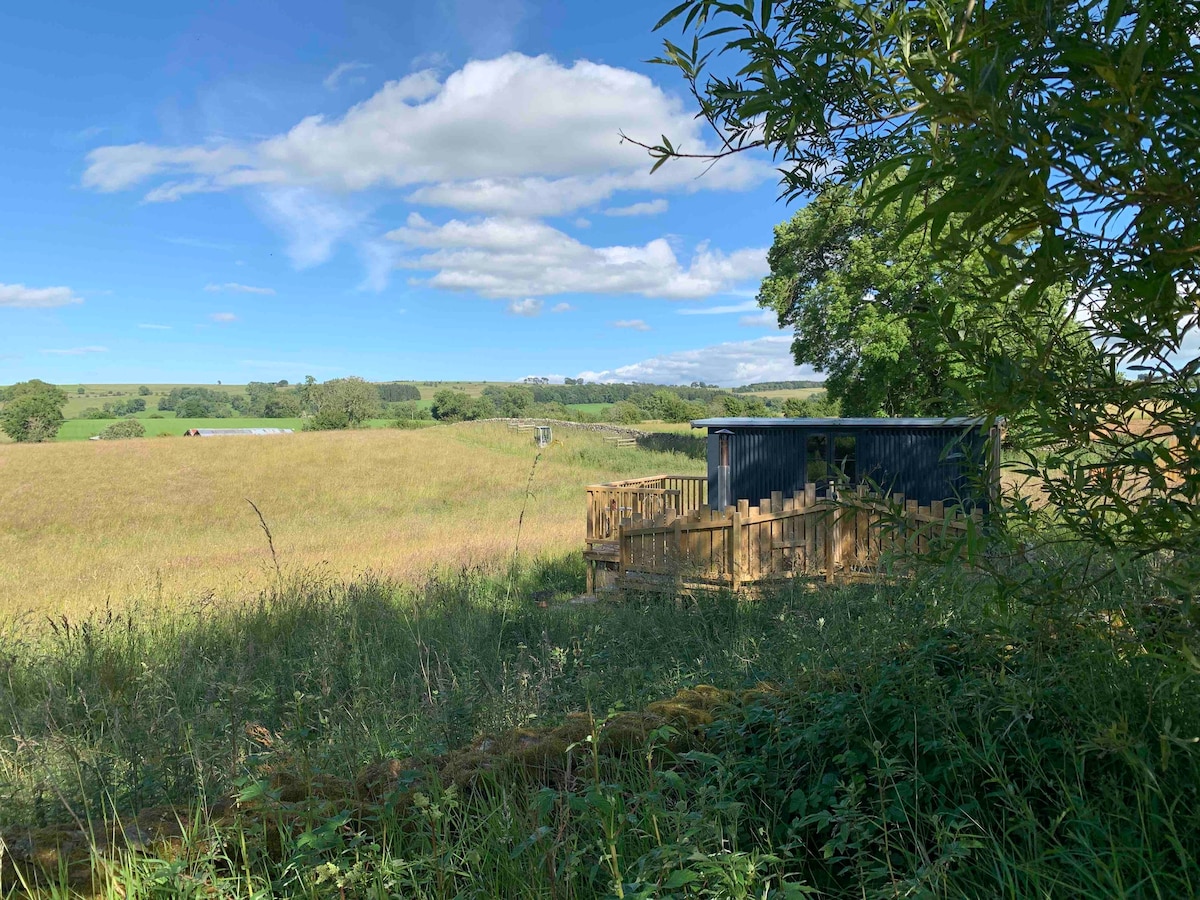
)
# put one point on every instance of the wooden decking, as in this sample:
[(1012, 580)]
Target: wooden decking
[(659, 534)]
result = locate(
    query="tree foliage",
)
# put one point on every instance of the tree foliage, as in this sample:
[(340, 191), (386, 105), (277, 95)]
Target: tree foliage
[(858, 288), (1060, 139), (32, 411), (126, 428), (343, 403)]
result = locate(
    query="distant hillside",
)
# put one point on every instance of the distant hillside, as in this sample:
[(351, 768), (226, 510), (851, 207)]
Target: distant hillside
[(777, 386)]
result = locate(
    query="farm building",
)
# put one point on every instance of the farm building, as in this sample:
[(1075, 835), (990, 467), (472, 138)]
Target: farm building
[(230, 432), (829, 498), (924, 459)]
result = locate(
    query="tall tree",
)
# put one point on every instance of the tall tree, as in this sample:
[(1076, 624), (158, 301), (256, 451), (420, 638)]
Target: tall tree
[(1061, 137), (856, 288), (32, 411)]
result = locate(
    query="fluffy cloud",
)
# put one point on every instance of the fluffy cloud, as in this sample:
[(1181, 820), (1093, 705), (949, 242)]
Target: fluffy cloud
[(740, 362), (77, 351), (311, 223), (647, 208), (768, 318), (223, 317), (527, 307), (238, 288), (632, 324), (21, 297), (562, 308), (510, 134), (507, 257)]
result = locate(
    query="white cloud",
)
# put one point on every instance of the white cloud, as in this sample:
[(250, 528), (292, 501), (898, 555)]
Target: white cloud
[(312, 224), (768, 318), (528, 307), (151, 327), (510, 134), (234, 287), (380, 258), (581, 222), (77, 351), (647, 208), (119, 167), (334, 78), (747, 306), (740, 362), (19, 296), (507, 257), (223, 317), (634, 324), (562, 308)]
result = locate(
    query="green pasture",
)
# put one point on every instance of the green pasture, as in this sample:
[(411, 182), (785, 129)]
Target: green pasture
[(82, 429)]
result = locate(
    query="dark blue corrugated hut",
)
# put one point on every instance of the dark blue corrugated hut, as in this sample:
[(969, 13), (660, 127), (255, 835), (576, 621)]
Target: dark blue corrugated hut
[(951, 460)]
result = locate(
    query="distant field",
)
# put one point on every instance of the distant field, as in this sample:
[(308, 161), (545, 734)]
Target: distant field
[(590, 408), (82, 524), (98, 394), (82, 429), (802, 393)]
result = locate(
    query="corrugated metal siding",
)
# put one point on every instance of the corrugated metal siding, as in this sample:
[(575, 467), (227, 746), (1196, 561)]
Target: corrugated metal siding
[(918, 462)]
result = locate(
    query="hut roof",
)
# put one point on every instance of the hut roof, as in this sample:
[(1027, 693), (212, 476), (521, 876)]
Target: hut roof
[(749, 422)]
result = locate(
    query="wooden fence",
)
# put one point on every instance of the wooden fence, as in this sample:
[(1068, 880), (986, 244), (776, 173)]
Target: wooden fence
[(641, 500), (782, 537)]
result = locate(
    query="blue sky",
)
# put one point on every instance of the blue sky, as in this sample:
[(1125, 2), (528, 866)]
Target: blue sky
[(241, 191)]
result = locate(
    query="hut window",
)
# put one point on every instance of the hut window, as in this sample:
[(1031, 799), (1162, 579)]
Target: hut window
[(724, 449), (816, 466), (844, 453)]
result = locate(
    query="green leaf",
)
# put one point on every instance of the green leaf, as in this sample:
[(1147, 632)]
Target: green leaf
[(673, 14)]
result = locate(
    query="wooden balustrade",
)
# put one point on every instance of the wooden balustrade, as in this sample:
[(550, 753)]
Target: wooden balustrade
[(643, 499), (781, 537)]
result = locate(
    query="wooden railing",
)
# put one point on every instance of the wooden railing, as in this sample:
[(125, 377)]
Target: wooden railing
[(644, 500), (782, 537)]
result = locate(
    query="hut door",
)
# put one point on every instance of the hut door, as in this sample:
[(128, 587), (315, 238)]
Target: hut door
[(816, 462), (831, 459)]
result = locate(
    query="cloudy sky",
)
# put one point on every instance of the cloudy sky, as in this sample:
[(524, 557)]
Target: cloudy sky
[(197, 191)]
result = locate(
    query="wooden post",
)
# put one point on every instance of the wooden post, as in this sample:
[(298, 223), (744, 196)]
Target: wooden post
[(678, 566), (831, 537), (735, 547)]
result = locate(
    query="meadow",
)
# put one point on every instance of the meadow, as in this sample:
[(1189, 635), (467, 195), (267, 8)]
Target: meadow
[(385, 687), (88, 523), (458, 737)]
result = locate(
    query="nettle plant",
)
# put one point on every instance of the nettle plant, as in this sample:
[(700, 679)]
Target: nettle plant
[(1055, 142)]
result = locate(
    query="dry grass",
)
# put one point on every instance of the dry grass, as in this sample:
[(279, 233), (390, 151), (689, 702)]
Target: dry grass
[(82, 524)]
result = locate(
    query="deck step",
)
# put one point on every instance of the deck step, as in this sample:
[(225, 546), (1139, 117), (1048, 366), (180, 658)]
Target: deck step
[(603, 551)]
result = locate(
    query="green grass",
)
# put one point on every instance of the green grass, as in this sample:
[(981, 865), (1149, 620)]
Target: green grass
[(82, 429), (96, 395), (590, 408), (917, 741)]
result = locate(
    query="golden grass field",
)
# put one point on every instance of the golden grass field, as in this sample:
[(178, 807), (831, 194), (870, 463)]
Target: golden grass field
[(88, 523)]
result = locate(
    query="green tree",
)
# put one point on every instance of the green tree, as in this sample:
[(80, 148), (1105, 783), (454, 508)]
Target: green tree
[(32, 411), (510, 402), (818, 406), (451, 406), (858, 287), (143, 391), (1056, 142), (126, 428), (344, 403), (625, 413)]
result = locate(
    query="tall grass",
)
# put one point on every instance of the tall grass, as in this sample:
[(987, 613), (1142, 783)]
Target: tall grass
[(910, 740), (167, 521)]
